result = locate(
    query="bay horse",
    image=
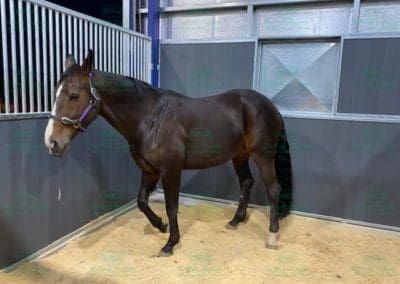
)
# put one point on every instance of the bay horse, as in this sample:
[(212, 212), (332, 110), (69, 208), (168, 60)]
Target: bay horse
[(168, 132)]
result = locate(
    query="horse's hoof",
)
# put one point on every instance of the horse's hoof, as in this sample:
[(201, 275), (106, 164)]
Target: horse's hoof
[(163, 227), (164, 253), (229, 226), (274, 247)]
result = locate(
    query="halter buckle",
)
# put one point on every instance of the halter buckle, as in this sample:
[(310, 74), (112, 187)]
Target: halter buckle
[(77, 125)]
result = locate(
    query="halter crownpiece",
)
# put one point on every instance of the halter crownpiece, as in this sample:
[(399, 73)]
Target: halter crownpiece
[(77, 123)]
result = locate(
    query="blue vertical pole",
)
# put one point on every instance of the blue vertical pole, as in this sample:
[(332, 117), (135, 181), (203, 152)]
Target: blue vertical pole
[(153, 28)]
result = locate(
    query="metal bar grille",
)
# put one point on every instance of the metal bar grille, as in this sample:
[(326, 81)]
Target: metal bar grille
[(36, 36)]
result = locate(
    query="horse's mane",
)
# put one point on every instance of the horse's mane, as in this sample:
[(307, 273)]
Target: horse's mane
[(142, 88)]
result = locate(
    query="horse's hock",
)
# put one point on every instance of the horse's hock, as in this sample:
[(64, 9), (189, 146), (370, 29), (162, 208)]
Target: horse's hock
[(311, 251)]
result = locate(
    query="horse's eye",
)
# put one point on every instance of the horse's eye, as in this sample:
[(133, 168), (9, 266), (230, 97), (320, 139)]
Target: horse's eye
[(74, 97)]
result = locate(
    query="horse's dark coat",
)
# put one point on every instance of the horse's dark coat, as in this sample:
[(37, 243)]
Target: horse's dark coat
[(168, 132)]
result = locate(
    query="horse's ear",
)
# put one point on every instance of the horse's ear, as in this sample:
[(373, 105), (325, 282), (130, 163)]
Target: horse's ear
[(70, 61), (88, 64)]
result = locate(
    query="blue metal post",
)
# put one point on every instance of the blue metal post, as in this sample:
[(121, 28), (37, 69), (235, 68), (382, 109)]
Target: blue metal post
[(153, 28)]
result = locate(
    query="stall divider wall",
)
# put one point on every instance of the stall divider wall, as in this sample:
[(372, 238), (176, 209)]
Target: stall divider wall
[(43, 198)]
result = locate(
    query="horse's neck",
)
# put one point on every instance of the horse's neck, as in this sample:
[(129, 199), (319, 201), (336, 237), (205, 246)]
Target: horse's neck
[(123, 104)]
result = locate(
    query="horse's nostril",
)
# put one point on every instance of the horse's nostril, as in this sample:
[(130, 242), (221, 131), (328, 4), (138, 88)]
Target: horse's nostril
[(53, 145)]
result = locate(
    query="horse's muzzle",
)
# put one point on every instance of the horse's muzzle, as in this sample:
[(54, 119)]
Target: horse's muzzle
[(56, 149)]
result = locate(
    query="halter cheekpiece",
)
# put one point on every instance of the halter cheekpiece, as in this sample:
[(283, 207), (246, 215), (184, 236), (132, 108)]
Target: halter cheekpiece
[(77, 123)]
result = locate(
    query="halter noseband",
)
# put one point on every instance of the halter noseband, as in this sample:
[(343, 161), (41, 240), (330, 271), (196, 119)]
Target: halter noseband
[(77, 123)]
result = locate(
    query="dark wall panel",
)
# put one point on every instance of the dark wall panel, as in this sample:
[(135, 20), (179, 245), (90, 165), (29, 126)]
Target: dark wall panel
[(341, 168), (43, 198), (370, 76), (201, 70)]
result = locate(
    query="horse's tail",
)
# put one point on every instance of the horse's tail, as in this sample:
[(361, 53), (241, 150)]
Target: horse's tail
[(283, 168)]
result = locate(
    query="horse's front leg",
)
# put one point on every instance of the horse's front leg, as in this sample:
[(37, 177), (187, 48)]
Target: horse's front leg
[(171, 184), (148, 183)]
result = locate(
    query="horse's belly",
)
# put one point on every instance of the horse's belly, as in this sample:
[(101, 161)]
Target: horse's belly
[(194, 162), (206, 155)]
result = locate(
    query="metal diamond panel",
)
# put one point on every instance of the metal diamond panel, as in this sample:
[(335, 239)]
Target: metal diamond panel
[(300, 76)]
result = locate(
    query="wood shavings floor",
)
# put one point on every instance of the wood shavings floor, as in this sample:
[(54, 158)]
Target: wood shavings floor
[(311, 251)]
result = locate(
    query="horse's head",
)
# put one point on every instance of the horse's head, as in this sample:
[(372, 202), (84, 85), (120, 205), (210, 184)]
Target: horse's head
[(76, 105)]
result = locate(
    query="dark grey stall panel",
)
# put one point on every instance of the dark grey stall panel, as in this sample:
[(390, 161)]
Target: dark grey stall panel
[(370, 76), (341, 168), (200, 70), (43, 198)]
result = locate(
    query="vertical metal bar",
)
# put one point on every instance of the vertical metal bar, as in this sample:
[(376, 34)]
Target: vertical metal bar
[(51, 57), (105, 49), (44, 56), (121, 51), (355, 21), (96, 44), (153, 22), (133, 14), (131, 57), (58, 46), (124, 51), (14, 74), (5, 55), (70, 35), (125, 54), (86, 39), (117, 52), (256, 63), (339, 72), (148, 62), (113, 50), (91, 35), (141, 59), (30, 56), (37, 49), (135, 59), (144, 60), (250, 21), (101, 48), (80, 41), (63, 38), (109, 50), (44, 62), (22, 53), (126, 12), (76, 54)]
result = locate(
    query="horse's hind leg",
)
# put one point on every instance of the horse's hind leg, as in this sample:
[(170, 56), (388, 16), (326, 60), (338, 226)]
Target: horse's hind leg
[(266, 165), (246, 181), (148, 183)]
